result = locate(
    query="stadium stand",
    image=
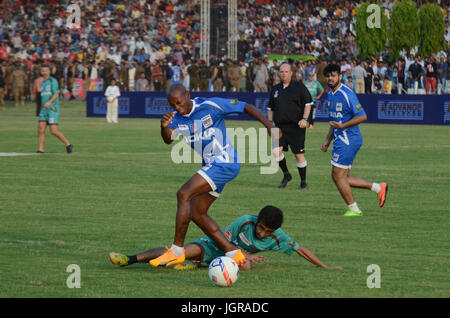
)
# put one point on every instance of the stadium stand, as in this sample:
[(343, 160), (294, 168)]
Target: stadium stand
[(122, 39)]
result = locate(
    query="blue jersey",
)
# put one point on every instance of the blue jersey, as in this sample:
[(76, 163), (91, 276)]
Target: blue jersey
[(176, 74), (204, 129), (343, 106)]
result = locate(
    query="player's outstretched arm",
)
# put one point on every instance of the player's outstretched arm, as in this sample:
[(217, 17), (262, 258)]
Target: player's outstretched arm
[(255, 113), (327, 141), (166, 131), (353, 122), (310, 257)]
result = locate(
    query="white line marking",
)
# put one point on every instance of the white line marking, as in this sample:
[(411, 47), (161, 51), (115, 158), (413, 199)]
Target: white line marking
[(17, 154)]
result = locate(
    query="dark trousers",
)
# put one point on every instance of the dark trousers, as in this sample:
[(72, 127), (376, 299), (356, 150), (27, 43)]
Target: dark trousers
[(38, 103)]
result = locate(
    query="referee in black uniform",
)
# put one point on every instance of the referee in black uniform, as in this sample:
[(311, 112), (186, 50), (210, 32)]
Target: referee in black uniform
[(289, 107)]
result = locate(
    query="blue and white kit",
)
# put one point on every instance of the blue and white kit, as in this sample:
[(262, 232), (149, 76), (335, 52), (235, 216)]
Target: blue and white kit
[(205, 131), (343, 106)]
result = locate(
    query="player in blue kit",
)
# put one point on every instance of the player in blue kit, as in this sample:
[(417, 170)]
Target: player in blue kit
[(346, 113), (177, 73), (201, 123)]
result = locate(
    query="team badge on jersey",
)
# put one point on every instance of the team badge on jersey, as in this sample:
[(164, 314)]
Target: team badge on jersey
[(275, 95), (183, 127), (207, 121), (234, 102), (228, 234), (339, 107), (358, 107), (244, 239), (335, 157)]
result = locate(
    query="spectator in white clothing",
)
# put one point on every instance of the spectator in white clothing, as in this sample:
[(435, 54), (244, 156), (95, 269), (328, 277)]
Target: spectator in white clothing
[(112, 94)]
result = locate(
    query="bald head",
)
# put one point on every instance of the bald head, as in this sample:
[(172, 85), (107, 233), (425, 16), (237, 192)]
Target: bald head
[(286, 67), (179, 98), (176, 90), (285, 73)]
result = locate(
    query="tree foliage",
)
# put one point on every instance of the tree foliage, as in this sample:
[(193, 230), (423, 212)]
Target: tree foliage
[(432, 30), (371, 29), (404, 30)]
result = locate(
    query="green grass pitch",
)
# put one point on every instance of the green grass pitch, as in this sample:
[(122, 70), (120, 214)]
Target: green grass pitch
[(117, 192)]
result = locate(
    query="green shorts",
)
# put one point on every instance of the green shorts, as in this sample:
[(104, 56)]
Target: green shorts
[(51, 117), (209, 249)]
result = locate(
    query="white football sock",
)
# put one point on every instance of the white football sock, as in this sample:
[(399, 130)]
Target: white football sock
[(354, 207), (231, 254), (302, 164), (177, 250), (376, 187)]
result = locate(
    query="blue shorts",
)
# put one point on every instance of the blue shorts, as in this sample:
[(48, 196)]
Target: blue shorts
[(219, 174), (343, 154)]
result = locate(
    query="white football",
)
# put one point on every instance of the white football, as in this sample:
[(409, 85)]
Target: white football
[(223, 271)]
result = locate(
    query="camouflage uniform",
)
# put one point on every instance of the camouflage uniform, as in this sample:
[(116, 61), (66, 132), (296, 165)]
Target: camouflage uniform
[(19, 80)]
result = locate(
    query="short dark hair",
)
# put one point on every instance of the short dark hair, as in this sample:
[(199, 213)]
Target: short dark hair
[(45, 65), (332, 68), (271, 217)]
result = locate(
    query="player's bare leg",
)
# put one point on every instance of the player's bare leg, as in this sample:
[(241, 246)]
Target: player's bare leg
[(55, 132), (191, 207), (340, 178), (197, 185), (356, 182), (199, 209), (379, 188), (175, 255), (192, 251), (41, 135)]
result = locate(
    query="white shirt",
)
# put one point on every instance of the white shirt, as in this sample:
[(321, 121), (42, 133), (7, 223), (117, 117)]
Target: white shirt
[(94, 72), (447, 37), (112, 91)]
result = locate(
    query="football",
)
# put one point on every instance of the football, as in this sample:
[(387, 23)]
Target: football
[(223, 271)]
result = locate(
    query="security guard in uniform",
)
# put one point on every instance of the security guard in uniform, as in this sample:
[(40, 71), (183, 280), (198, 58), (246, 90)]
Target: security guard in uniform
[(289, 107)]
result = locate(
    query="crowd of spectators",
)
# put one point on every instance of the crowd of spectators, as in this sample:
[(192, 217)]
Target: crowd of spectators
[(147, 45)]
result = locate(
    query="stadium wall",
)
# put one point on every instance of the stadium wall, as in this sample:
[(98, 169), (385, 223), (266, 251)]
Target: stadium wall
[(386, 109)]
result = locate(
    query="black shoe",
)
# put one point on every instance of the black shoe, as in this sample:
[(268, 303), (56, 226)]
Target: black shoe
[(69, 148), (39, 152), (285, 181), (304, 186)]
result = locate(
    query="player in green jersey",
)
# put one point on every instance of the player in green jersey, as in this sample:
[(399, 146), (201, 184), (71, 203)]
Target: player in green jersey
[(49, 115), (316, 91), (251, 233)]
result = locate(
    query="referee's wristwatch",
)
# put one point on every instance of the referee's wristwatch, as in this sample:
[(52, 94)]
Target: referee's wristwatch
[(305, 119)]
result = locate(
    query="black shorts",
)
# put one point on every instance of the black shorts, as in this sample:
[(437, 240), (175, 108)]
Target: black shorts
[(293, 137)]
